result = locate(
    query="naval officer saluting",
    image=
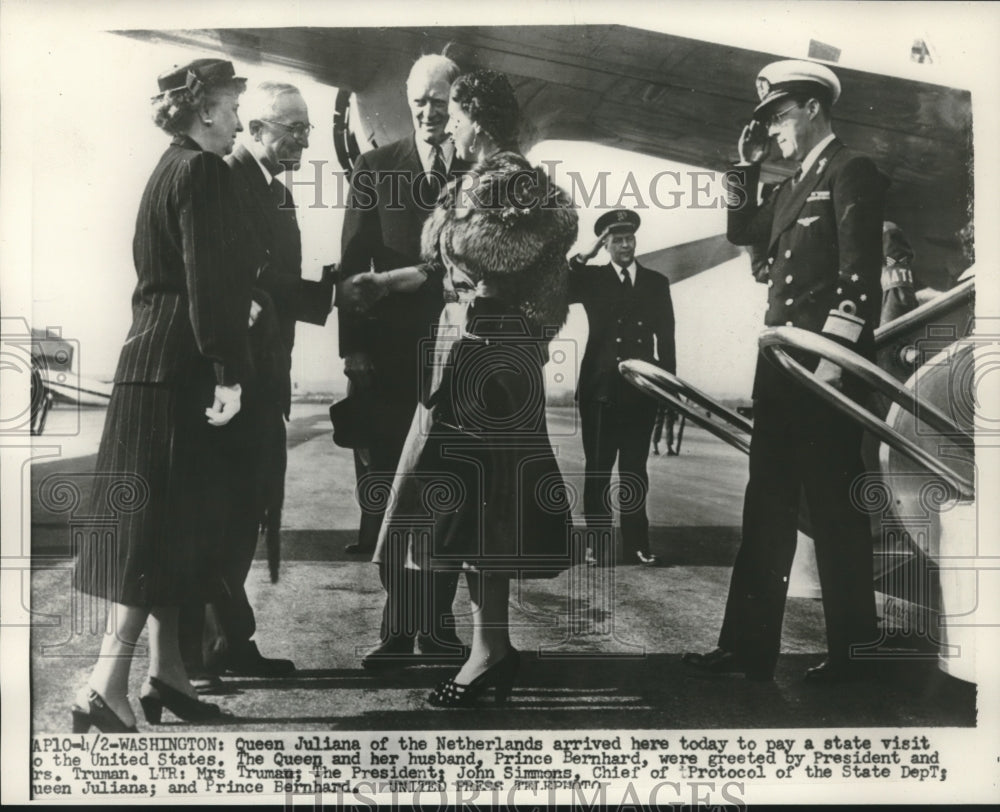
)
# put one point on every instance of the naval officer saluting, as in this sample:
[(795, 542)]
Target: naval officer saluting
[(630, 315), (823, 235)]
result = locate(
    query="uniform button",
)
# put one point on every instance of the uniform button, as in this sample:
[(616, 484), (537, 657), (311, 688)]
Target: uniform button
[(864, 297), (788, 254), (619, 358), (840, 291), (639, 340), (619, 321), (789, 302), (640, 324), (618, 340), (788, 279), (770, 260), (770, 283)]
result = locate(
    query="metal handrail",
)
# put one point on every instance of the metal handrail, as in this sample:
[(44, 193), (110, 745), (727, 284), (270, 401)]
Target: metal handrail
[(668, 388), (928, 310), (773, 343)]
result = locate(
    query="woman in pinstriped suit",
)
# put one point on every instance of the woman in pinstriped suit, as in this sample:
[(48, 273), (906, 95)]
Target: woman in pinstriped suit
[(176, 386)]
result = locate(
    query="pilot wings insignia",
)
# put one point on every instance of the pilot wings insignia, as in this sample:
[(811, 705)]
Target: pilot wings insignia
[(808, 221)]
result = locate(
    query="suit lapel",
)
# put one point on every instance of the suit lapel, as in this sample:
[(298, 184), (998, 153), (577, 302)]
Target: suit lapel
[(791, 199)]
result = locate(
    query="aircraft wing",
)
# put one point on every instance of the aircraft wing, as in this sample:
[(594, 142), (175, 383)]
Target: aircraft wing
[(678, 262), (682, 99)]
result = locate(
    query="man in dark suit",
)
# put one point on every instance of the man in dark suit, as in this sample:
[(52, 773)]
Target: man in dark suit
[(630, 315), (279, 131), (393, 189), (823, 235)]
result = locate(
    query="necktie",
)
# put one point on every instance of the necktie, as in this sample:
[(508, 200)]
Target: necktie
[(438, 167), (435, 179), (626, 280)]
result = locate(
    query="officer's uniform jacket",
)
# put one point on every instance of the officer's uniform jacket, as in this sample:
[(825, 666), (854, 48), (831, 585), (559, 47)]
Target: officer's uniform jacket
[(822, 244), (623, 324)]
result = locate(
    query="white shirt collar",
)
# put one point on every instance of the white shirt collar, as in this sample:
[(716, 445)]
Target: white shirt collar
[(268, 177), (426, 152), (629, 269), (810, 159)]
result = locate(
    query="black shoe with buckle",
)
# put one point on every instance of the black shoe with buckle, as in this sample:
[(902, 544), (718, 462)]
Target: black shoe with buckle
[(357, 548)]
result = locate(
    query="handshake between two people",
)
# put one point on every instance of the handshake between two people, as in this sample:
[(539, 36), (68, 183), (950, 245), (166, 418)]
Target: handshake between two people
[(359, 293)]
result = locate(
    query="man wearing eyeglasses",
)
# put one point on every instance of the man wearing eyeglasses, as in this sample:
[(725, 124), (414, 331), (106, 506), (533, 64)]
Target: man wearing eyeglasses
[(819, 242), (278, 129)]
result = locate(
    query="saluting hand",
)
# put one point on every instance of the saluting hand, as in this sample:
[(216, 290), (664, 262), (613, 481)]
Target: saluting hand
[(598, 244), (226, 405), (755, 143)]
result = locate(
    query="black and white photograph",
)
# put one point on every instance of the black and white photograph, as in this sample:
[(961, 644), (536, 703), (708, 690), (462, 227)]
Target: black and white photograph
[(569, 403)]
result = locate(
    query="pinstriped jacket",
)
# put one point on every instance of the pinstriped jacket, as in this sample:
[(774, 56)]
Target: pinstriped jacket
[(192, 299)]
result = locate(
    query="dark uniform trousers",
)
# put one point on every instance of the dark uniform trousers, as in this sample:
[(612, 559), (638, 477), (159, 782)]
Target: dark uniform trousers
[(616, 419), (819, 250), (621, 430), (800, 448)]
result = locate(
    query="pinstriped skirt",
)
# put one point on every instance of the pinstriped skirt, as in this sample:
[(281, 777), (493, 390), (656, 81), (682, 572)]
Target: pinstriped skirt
[(157, 504)]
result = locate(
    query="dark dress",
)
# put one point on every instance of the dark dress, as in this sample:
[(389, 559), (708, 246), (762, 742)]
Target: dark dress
[(478, 486), (161, 469)]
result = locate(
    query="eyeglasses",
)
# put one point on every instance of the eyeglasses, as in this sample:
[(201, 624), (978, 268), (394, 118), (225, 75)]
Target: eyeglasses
[(298, 130), (778, 118)]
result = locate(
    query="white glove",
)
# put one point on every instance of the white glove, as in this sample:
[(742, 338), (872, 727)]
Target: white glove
[(226, 405)]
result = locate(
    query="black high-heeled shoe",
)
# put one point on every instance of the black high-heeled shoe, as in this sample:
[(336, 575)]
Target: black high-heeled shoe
[(98, 715), (499, 677), (180, 705)]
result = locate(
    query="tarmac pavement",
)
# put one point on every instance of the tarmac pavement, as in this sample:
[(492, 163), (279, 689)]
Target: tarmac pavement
[(601, 647)]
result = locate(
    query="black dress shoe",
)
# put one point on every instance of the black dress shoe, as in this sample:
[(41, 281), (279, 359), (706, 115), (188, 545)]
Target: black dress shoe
[(251, 663), (834, 672), (157, 695), (359, 549), (98, 714), (499, 677), (720, 661), (396, 652), (646, 559)]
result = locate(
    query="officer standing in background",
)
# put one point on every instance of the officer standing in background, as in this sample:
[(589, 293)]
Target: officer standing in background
[(822, 230), (630, 315)]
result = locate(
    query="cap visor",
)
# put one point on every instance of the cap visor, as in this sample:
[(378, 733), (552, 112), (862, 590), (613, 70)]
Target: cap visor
[(761, 110)]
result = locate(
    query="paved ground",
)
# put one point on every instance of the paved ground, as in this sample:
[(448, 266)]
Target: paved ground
[(602, 647)]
